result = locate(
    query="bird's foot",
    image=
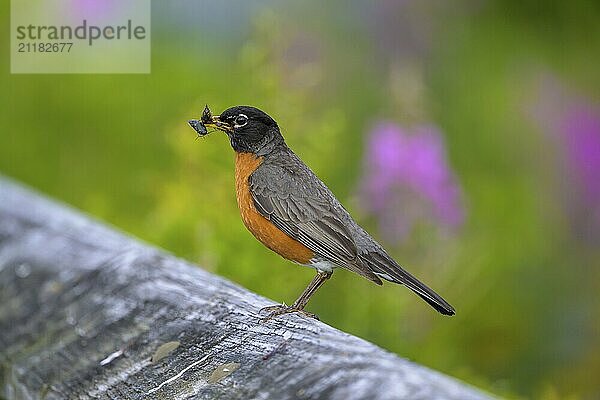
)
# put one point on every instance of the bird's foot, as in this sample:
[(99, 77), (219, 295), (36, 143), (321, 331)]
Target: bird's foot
[(280, 309)]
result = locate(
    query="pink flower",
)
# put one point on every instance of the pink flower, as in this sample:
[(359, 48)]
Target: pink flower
[(571, 122), (408, 180)]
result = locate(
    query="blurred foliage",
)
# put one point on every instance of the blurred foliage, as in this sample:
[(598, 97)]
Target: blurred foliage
[(526, 289)]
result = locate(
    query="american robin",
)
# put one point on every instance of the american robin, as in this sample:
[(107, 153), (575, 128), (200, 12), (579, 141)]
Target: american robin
[(291, 211)]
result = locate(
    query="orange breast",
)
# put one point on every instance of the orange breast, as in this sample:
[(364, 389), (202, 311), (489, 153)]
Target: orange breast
[(259, 226)]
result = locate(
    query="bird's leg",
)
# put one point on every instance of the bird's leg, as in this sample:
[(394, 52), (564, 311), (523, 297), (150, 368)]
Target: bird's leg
[(312, 287), (301, 302)]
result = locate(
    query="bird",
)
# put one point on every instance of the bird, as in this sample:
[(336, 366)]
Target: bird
[(291, 211)]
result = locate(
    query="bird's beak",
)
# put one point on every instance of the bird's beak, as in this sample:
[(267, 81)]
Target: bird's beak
[(215, 122)]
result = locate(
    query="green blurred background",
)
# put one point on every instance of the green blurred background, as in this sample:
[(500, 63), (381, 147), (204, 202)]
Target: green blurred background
[(498, 209)]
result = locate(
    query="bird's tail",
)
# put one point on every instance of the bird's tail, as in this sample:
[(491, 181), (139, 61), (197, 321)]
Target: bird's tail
[(385, 267)]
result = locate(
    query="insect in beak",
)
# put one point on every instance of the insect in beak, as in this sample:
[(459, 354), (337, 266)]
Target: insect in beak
[(208, 121)]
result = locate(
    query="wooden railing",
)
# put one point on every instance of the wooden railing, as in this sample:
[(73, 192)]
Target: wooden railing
[(88, 312)]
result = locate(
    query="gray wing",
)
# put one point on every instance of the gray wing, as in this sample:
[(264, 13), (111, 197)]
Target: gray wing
[(292, 197)]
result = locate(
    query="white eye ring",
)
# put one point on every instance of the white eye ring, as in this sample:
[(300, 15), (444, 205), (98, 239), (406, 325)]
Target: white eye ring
[(240, 120)]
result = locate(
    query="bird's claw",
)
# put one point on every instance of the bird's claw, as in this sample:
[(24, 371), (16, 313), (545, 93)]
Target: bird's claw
[(280, 309)]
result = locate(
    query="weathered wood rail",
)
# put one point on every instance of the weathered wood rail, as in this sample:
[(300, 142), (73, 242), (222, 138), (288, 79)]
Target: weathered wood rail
[(90, 313)]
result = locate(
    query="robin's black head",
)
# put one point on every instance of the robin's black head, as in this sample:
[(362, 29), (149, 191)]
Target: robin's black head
[(249, 129)]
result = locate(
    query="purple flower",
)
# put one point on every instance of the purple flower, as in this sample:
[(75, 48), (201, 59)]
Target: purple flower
[(408, 180), (572, 123), (95, 10), (580, 130)]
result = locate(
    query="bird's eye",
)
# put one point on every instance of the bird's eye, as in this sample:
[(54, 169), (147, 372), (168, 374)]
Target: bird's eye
[(241, 120)]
